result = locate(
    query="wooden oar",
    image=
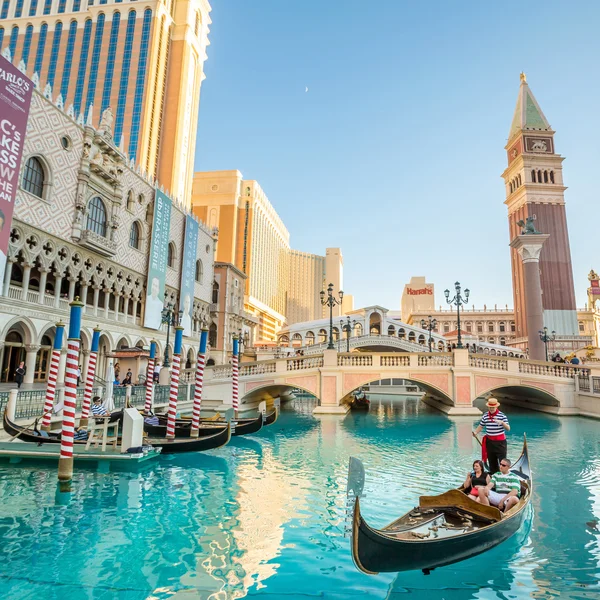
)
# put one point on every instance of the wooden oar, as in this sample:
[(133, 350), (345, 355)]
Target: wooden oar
[(477, 438)]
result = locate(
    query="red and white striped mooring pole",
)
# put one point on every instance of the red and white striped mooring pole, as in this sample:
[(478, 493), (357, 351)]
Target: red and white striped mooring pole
[(235, 375), (200, 364), (65, 462), (174, 390), (89, 380), (52, 376), (150, 378)]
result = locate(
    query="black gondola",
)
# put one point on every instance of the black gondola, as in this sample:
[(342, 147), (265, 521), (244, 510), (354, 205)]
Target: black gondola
[(442, 530), (242, 426), (360, 402), (180, 445)]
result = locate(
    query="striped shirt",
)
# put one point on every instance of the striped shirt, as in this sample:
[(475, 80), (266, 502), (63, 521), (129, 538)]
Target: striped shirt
[(505, 483), (492, 428), (98, 410)]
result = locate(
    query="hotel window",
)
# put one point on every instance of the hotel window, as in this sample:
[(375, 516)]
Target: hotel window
[(33, 8), (134, 235), (124, 83), (96, 219), (64, 87), (139, 84), (110, 63), (469, 327), (47, 6), (39, 56), (502, 327), (5, 7), (61, 6), (130, 200), (76, 5), (19, 9), (54, 53), (27, 44), (581, 327), (446, 328), (512, 326), (490, 328), (93, 80), (479, 327), (199, 271), (85, 46), (503, 341), (12, 45), (33, 177), (1, 35)]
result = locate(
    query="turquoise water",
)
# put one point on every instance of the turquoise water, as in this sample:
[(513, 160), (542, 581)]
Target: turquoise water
[(264, 516)]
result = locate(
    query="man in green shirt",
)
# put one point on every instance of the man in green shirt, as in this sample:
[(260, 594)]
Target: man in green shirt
[(507, 488)]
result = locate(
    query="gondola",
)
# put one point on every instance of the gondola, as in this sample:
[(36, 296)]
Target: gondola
[(442, 530), (180, 445), (360, 402), (28, 434)]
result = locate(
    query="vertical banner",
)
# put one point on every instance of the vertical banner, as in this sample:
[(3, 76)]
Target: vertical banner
[(188, 275), (157, 261), (15, 98)]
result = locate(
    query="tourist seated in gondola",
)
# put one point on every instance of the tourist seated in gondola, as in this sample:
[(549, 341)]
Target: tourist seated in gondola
[(476, 479), (97, 409), (81, 433), (504, 489)]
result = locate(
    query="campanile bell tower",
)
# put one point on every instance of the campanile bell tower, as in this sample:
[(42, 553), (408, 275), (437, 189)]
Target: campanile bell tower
[(534, 188)]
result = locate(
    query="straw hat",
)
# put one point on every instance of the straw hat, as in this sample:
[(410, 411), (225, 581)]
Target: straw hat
[(492, 403)]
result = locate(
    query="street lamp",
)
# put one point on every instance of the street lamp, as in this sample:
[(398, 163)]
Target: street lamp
[(171, 317), (329, 300), (347, 327), (545, 337), (430, 326), (458, 301)]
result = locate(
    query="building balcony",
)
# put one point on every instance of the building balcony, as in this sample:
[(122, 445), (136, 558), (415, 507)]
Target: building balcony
[(98, 243)]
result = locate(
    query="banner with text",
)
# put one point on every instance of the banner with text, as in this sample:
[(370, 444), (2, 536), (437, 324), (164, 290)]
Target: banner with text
[(15, 97), (157, 261), (188, 275)]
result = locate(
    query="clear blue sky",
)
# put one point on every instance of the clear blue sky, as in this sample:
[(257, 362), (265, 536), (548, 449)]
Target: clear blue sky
[(395, 152)]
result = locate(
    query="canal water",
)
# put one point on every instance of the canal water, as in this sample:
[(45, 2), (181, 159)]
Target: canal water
[(264, 516)]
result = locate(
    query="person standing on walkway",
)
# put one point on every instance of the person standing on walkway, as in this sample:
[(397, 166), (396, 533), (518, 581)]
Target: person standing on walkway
[(20, 373), (493, 446)]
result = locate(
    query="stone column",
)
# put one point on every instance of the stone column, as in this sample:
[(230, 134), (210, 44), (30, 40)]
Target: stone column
[(43, 278), (57, 286), (117, 302), (126, 308), (7, 275), (106, 302), (135, 305), (26, 275), (72, 282), (529, 247), (31, 351), (83, 292), (96, 297)]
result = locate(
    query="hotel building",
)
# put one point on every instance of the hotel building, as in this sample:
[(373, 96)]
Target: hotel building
[(143, 59), (282, 285)]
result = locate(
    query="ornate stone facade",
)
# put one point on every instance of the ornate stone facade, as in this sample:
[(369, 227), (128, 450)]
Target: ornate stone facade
[(83, 228)]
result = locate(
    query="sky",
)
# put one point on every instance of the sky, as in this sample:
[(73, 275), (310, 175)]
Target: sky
[(395, 153)]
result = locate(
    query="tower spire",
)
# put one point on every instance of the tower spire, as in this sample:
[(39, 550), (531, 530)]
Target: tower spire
[(528, 114)]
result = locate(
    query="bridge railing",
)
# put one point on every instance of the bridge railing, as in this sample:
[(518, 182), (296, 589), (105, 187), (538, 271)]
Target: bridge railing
[(264, 367), (395, 359)]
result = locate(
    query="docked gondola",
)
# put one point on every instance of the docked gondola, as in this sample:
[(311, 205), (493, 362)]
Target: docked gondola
[(31, 434), (221, 437), (440, 531)]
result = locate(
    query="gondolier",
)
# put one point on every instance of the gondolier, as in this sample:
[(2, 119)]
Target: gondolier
[(493, 446)]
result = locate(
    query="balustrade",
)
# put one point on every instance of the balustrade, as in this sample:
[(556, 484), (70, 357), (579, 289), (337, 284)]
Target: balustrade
[(309, 362), (551, 370), (354, 360), (485, 362), (435, 360), (259, 368), (221, 371), (398, 360)]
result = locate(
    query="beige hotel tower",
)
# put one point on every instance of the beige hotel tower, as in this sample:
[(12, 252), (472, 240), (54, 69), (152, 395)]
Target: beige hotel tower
[(144, 60)]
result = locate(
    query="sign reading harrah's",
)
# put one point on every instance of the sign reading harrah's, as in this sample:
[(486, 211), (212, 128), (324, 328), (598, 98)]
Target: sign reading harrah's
[(419, 292), (15, 97)]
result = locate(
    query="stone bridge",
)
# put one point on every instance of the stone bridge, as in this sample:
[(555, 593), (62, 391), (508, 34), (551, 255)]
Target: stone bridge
[(451, 381)]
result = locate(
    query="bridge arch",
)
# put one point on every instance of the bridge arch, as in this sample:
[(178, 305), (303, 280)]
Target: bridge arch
[(521, 394), (270, 391)]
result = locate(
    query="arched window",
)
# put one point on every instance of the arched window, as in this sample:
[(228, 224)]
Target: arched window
[(199, 271), (503, 341), (391, 330), (310, 338), (551, 176), (215, 294), (322, 335), (96, 218), (422, 339), (533, 175), (34, 177), (401, 333), (502, 327), (539, 176), (296, 339), (411, 336), (545, 176), (134, 235), (130, 200), (212, 335), (171, 255)]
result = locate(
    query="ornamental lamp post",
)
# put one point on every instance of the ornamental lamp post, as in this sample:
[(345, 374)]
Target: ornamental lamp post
[(430, 326), (330, 300), (546, 337), (347, 327), (458, 301), (171, 317)]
